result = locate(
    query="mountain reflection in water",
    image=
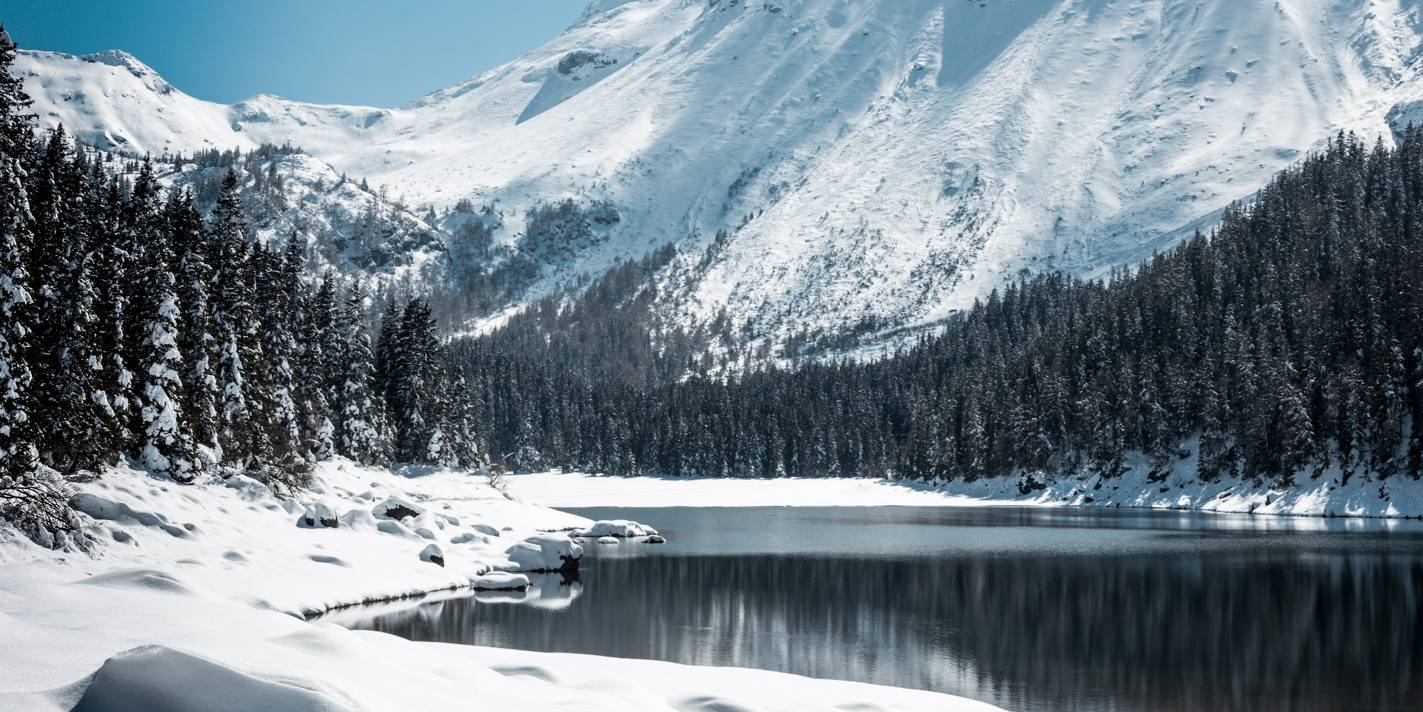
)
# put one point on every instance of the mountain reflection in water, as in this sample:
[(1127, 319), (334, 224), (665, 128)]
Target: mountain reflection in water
[(1058, 615)]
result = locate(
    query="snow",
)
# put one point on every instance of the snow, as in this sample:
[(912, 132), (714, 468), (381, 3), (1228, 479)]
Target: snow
[(897, 158), (1141, 485), (616, 528), (501, 581), (195, 597)]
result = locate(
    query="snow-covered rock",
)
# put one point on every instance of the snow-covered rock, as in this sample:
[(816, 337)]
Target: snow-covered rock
[(396, 508), (433, 554), (546, 552), (323, 512), (501, 581), (607, 540), (616, 527)]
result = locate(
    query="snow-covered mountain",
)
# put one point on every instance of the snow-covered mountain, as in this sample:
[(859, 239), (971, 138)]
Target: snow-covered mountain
[(886, 158)]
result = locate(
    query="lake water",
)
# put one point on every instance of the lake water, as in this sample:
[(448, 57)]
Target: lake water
[(1030, 609)]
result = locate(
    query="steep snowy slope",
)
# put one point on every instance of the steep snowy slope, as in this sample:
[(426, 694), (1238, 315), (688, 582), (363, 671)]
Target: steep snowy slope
[(892, 158)]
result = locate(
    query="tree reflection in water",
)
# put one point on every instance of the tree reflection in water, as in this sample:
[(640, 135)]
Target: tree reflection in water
[(1272, 629)]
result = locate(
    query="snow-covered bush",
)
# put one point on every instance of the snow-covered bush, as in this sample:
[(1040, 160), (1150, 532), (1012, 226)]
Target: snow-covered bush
[(37, 503)]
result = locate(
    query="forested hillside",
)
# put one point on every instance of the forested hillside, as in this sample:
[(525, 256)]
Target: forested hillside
[(133, 326), (1284, 341)]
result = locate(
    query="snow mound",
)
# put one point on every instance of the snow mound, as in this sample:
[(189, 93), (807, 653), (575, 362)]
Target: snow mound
[(711, 703), (360, 520), (107, 509), (159, 679), (607, 540), (534, 671), (145, 579), (501, 581), (546, 552), (393, 527), (616, 527), (250, 489)]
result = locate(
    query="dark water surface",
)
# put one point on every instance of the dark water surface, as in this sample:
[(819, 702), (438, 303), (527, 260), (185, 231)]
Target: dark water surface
[(1028, 609)]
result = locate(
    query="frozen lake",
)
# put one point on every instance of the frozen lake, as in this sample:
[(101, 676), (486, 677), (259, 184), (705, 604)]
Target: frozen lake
[(1030, 609)]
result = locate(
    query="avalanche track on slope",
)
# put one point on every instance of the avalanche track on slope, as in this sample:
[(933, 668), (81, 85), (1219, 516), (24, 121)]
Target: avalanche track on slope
[(887, 158)]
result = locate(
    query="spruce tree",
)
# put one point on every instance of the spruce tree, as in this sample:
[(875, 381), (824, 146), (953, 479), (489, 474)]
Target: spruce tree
[(35, 500), (285, 456), (195, 339), (234, 329), (167, 446), (362, 431)]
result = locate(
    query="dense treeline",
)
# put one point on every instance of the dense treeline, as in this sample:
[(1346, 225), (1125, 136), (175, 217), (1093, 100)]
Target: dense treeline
[(130, 325), (1287, 340)]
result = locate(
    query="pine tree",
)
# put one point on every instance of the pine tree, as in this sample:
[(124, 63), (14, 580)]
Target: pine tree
[(73, 416), (361, 428), (195, 340), (234, 327), (167, 445), (285, 455), (418, 387), (34, 499)]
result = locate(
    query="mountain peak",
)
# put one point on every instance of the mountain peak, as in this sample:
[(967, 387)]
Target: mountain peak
[(120, 58)]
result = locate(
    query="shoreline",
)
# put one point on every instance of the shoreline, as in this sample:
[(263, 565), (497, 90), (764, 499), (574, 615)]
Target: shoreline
[(1138, 487)]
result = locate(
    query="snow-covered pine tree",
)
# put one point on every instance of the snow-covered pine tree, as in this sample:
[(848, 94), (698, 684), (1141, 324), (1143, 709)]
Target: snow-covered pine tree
[(73, 417), (195, 339), (362, 430), (465, 449), (286, 456), (167, 445), (35, 499), (243, 442), (105, 202), (418, 387), (319, 348)]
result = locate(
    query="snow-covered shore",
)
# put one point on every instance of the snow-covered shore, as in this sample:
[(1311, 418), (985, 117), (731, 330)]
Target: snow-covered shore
[(195, 598), (1139, 486)]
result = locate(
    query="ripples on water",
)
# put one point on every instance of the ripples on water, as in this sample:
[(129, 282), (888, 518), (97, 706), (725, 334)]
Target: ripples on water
[(1026, 609)]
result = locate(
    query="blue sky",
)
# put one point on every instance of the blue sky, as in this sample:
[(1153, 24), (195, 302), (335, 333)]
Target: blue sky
[(365, 52)]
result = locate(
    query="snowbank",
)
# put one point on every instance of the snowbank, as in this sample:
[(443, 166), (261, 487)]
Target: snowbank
[(195, 597), (1140, 485), (133, 646)]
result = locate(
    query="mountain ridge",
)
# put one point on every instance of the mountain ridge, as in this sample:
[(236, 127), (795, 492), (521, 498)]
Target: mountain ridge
[(892, 160)]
